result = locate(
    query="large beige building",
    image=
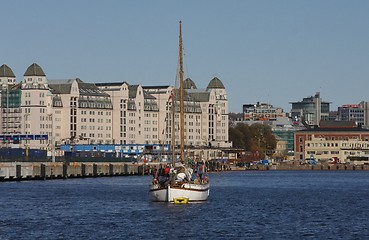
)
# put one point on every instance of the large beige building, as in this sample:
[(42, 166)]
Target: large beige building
[(143, 114), (348, 150), (71, 111), (332, 139)]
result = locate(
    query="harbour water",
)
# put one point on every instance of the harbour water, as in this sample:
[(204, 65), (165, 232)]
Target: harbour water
[(242, 205)]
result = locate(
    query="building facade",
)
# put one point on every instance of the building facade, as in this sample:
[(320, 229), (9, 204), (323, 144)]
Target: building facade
[(310, 110), (345, 151), (9, 101), (71, 111), (144, 114), (351, 112), (261, 112), (331, 140)]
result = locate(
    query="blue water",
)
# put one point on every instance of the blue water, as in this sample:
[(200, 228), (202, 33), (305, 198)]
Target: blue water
[(242, 205)]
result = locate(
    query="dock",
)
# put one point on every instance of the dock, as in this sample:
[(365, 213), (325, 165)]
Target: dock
[(18, 171), (62, 170)]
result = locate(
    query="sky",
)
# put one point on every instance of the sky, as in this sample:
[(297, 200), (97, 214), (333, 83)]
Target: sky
[(267, 51)]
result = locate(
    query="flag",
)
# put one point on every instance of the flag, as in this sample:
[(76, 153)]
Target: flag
[(171, 94)]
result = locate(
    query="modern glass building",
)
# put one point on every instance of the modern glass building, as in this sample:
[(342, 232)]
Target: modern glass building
[(310, 110)]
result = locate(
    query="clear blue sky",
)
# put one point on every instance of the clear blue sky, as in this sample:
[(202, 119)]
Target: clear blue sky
[(267, 51)]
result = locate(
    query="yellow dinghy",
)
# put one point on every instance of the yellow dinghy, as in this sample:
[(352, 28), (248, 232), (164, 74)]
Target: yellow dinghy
[(181, 200)]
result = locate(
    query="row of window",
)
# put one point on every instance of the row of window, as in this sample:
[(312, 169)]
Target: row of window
[(322, 152), (100, 113), (99, 120), (28, 94), (94, 105), (343, 144), (322, 144), (92, 135), (353, 153)]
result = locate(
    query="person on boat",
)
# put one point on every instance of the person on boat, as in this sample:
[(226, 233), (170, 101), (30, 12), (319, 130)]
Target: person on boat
[(194, 176), (205, 177), (181, 177), (172, 177), (188, 172), (161, 176), (200, 171), (165, 176), (166, 171), (155, 175)]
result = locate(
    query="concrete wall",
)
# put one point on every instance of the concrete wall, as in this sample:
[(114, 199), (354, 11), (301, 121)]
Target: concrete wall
[(48, 170), (326, 167)]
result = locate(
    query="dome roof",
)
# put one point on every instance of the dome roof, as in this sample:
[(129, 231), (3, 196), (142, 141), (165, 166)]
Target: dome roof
[(215, 83), (34, 70), (189, 84), (6, 71)]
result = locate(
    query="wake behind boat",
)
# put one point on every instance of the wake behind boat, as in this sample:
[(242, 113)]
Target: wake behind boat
[(181, 180)]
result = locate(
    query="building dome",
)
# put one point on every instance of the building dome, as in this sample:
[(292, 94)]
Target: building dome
[(215, 83), (189, 84), (6, 71), (34, 70)]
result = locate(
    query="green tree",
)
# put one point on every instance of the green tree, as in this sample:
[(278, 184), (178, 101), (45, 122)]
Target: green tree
[(256, 137), (236, 137)]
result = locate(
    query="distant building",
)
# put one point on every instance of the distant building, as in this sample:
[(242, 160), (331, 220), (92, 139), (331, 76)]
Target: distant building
[(287, 136), (365, 106), (310, 110), (261, 112), (332, 139), (284, 129), (72, 111), (351, 112), (280, 151), (333, 116)]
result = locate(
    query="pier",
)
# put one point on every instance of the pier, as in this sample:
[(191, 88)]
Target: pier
[(18, 171), (54, 170)]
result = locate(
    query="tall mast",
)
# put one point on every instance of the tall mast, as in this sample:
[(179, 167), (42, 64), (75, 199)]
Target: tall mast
[(173, 142), (181, 91)]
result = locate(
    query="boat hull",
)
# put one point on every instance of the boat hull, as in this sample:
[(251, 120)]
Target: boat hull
[(194, 192)]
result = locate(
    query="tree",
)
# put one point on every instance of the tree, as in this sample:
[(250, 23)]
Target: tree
[(254, 138), (236, 137)]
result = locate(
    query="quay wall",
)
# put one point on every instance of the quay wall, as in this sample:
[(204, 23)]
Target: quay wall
[(320, 167), (53, 170), (18, 171)]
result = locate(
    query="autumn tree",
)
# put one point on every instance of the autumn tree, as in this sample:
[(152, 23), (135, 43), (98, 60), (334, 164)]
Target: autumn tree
[(256, 137)]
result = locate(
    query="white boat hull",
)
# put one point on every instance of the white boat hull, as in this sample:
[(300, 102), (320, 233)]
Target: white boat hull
[(194, 192)]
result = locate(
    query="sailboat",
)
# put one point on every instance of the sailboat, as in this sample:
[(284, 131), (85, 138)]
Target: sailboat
[(178, 186)]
